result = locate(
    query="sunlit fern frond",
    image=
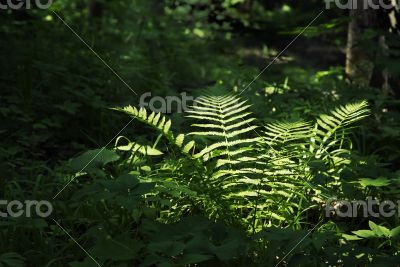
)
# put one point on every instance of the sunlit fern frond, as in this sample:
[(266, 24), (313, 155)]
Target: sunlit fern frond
[(330, 129), (289, 147), (285, 132), (161, 124), (285, 144), (134, 147), (226, 119)]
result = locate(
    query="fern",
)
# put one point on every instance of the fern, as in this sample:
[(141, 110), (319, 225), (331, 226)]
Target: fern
[(226, 119), (255, 171), (331, 129), (161, 124), (285, 132), (295, 146), (327, 134), (135, 147)]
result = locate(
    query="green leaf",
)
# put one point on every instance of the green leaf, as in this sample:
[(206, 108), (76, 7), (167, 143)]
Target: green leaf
[(395, 232), (378, 229), (375, 228), (364, 233), (93, 159), (379, 182), (351, 237)]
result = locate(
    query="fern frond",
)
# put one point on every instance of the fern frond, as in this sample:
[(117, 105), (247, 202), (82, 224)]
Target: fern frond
[(284, 132), (226, 144), (223, 117), (342, 116), (142, 149), (334, 126), (161, 124)]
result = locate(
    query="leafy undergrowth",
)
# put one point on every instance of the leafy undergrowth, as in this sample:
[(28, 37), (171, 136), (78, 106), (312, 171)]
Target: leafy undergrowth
[(244, 179), (232, 192)]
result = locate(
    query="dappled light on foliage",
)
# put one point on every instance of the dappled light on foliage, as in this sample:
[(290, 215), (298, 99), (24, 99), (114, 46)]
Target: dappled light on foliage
[(199, 133)]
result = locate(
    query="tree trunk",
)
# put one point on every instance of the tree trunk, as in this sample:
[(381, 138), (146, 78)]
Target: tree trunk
[(96, 10), (359, 58)]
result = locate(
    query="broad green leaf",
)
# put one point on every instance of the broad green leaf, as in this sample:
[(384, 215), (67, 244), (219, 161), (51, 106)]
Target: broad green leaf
[(395, 232), (351, 237), (379, 182), (375, 228), (378, 229), (94, 159), (364, 233)]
